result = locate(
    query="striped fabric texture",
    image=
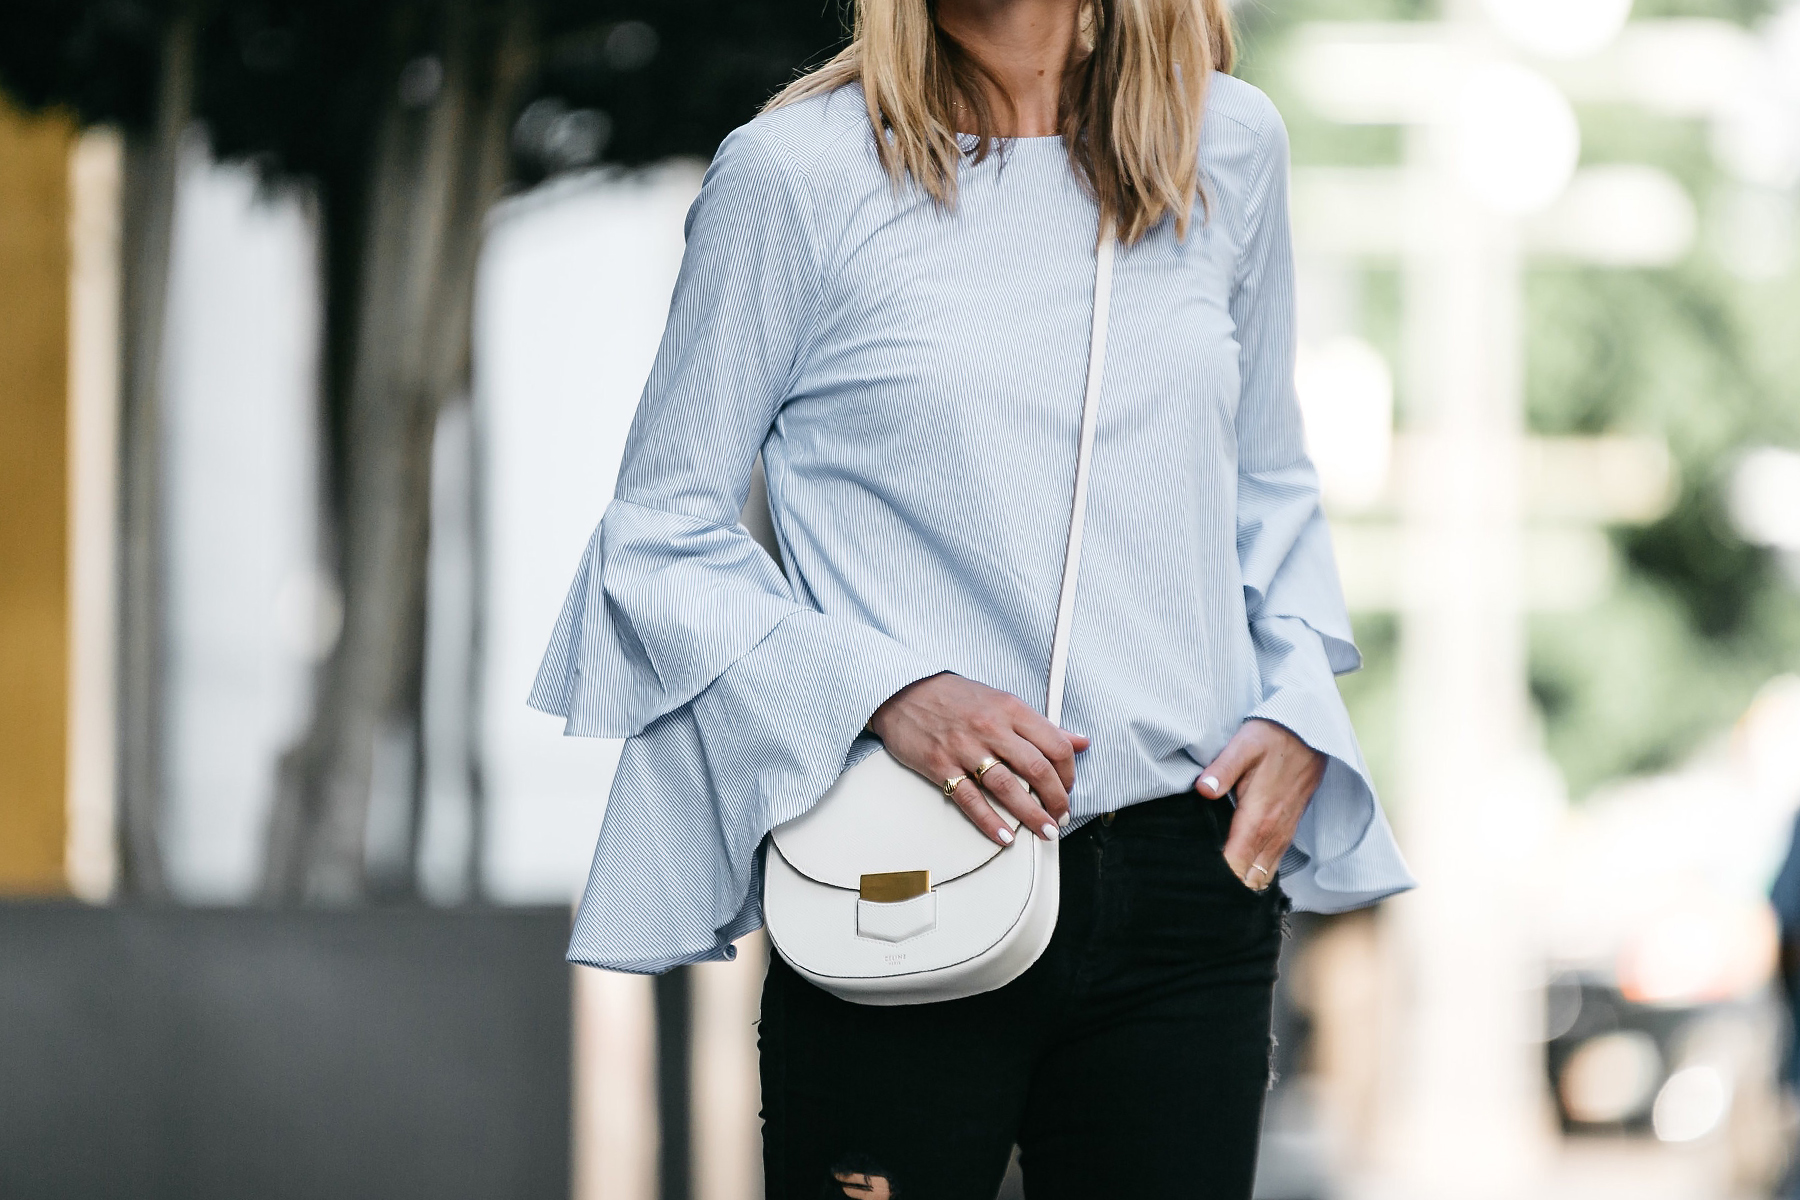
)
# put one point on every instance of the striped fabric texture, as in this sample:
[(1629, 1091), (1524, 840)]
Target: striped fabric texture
[(913, 381)]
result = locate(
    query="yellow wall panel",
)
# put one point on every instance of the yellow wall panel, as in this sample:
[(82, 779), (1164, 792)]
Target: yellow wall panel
[(34, 639)]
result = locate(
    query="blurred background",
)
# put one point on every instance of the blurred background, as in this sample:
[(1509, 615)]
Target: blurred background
[(321, 324)]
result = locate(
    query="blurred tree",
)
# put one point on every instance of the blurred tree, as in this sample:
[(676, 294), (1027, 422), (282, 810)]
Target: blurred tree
[(1708, 360), (404, 119), (401, 252)]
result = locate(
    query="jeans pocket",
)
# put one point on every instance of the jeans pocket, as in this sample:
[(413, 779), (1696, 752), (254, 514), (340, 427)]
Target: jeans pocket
[(1180, 901), (1220, 813)]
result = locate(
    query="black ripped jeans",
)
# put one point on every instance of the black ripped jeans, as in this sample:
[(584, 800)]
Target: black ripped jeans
[(1130, 1061)]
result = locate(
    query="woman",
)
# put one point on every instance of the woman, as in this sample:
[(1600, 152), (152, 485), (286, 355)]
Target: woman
[(886, 294)]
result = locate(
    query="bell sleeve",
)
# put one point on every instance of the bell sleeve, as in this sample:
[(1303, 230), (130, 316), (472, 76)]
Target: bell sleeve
[(680, 633), (1293, 600)]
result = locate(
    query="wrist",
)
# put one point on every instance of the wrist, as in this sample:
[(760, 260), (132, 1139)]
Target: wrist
[(1279, 739), (878, 719)]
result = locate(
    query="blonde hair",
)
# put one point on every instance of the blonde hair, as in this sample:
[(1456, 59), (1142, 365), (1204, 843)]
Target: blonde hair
[(1132, 99)]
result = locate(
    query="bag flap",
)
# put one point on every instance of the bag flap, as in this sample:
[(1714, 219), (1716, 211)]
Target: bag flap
[(880, 817)]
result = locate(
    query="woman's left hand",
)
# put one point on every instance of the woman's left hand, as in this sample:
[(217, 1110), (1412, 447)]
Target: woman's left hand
[(1275, 774)]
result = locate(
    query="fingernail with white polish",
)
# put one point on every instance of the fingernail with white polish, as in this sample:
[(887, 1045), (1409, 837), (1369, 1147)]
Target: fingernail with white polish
[(1063, 821), (1005, 835), (1049, 832), (1211, 782)]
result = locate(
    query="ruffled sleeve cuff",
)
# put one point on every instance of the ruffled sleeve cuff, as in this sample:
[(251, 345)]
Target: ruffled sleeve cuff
[(661, 605), (695, 795), (1343, 854), (1285, 557)]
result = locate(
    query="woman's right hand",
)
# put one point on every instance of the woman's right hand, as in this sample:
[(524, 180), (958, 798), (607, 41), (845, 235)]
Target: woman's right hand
[(946, 726)]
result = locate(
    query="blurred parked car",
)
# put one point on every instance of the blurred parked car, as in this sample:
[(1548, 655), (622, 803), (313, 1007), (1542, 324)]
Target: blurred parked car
[(1662, 1018)]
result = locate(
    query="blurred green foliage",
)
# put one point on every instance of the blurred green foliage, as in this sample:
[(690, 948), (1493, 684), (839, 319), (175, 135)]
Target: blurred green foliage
[(1697, 620)]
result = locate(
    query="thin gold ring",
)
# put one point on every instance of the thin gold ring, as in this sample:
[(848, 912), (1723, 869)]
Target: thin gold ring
[(1258, 867), (950, 786), (987, 764)]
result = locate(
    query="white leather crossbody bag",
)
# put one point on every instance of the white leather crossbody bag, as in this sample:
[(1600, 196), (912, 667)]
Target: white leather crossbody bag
[(884, 892)]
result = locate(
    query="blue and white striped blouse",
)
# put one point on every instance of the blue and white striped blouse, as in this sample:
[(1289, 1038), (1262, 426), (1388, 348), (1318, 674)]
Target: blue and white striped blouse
[(913, 381)]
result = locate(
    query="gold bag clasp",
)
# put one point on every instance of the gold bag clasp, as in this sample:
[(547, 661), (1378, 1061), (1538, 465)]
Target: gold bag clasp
[(890, 887)]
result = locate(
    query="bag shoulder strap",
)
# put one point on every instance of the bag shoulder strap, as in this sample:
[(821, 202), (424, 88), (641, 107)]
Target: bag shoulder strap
[(1065, 605)]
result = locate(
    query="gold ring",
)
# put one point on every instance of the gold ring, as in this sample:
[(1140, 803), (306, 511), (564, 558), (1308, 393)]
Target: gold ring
[(987, 764), (950, 786), (1258, 867)]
